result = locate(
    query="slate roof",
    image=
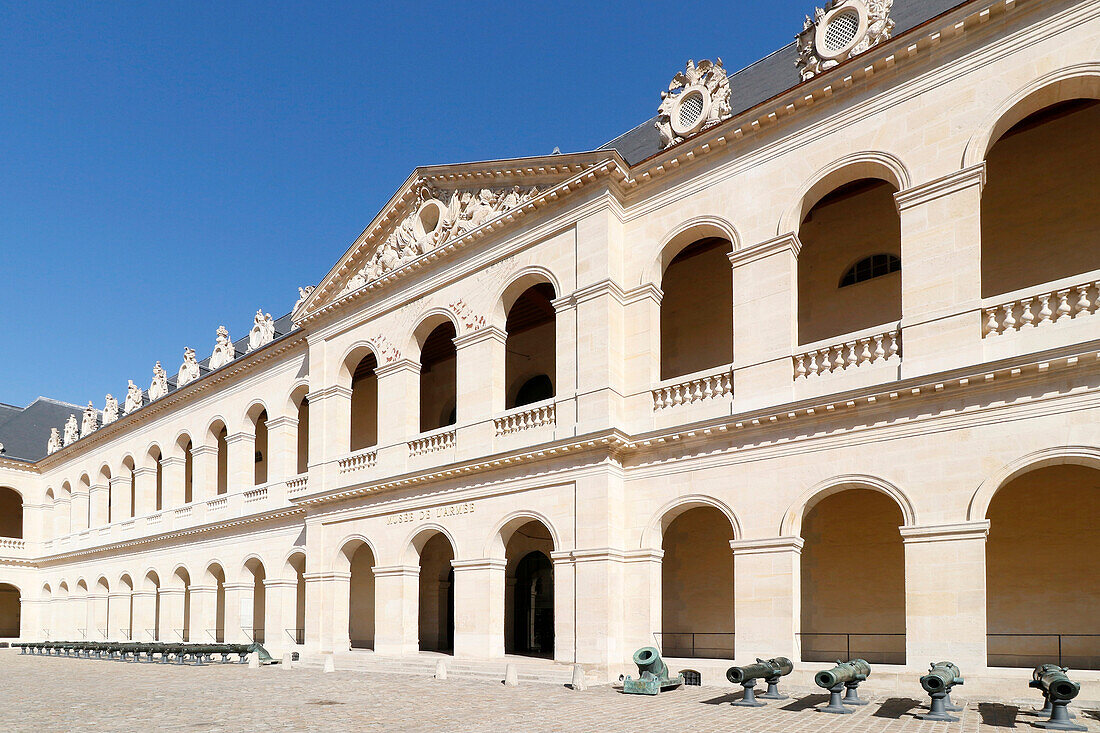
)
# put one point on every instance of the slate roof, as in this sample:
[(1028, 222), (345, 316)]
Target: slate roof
[(25, 431), (769, 77)]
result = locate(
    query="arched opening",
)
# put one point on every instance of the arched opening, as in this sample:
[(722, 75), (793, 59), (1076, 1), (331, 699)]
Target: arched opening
[(186, 447), (437, 607), (11, 513), (529, 602), (149, 616), (697, 309), (85, 503), (181, 614), (100, 614), (1037, 212), (47, 613), (105, 481), (64, 629), (1042, 576), (361, 594), (215, 576), (364, 403), (853, 579), (129, 466), (530, 362), (218, 436), (49, 515), (697, 585), (63, 509), (302, 405), (258, 416), (254, 628), (124, 616), (155, 457), (80, 616), (438, 378), (297, 567), (9, 611), (849, 268)]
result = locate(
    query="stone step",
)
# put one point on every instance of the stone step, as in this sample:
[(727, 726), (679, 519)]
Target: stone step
[(543, 673)]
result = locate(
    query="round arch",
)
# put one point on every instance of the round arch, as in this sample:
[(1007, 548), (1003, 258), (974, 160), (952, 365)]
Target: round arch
[(498, 539), (1080, 81), (287, 565), (419, 537), (179, 577), (351, 359), (149, 454), (209, 577), (682, 235), (213, 426), (125, 580), (791, 525), (518, 283), (294, 396), (103, 584), (244, 572), (151, 575), (654, 529), (428, 322), (1079, 455), (347, 547), (869, 164)]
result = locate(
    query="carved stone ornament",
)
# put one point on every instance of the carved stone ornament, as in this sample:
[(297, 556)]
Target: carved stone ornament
[(437, 218), (470, 320), (303, 293), (72, 432), (224, 352), (697, 98), (159, 387), (263, 331), (189, 370), (134, 398), (90, 423), (841, 30), (53, 445), (110, 410)]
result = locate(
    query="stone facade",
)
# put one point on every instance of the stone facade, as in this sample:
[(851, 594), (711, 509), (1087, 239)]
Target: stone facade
[(470, 440)]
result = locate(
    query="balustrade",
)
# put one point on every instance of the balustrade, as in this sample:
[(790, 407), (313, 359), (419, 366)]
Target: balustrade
[(869, 348), (432, 442), (297, 485), (693, 388), (357, 461), (1056, 305), (525, 418)]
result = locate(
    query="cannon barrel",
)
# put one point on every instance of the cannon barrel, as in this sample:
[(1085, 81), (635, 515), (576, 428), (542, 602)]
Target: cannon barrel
[(649, 660), (763, 669), (1053, 681), (854, 670), (942, 676)]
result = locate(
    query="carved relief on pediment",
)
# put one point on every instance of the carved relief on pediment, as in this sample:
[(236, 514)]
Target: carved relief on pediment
[(435, 218)]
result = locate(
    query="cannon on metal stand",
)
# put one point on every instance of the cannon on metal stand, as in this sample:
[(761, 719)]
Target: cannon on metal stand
[(652, 674), (769, 670), (844, 675), (1058, 689), (941, 677)]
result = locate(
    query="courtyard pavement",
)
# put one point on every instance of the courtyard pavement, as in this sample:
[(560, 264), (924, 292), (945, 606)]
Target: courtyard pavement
[(57, 694)]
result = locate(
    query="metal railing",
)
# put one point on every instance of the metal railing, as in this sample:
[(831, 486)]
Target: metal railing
[(697, 644), (216, 635), (152, 634), (254, 635), (125, 634), (298, 636), (183, 634), (1051, 646), (873, 653)]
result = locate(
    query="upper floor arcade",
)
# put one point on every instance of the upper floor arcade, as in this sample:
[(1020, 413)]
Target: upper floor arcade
[(778, 267)]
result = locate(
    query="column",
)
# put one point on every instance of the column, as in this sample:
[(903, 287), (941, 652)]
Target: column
[(945, 593), (319, 631), (145, 490), (145, 614), (280, 612), (767, 587), (481, 388), (78, 618), (79, 510), (282, 448), (765, 321), (600, 315), (398, 412), (600, 608), (241, 462), (30, 619), (58, 626), (204, 472), (565, 580), (61, 516), (98, 496), (120, 498), (173, 490), (643, 341), (397, 608), (172, 622), (330, 433), (97, 617), (337, 594), (238, 612), (566, 360), (118, 615), (941, 253), (479, 608), (204, 614), (642, 596)]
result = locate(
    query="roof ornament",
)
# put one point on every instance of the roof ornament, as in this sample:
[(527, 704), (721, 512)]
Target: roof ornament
[(303, 293), (90, 423), (224, 352), (134, 398), (54, 443), (189, 370), (841, 30), (697, 98), (72, 432), (110, 410), (263, 331), (159, 386)]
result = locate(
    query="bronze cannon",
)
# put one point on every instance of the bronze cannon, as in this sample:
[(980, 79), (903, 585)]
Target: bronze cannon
[(653, 674), (941, 677), (844, 675), (1058, 690), (769, 670)]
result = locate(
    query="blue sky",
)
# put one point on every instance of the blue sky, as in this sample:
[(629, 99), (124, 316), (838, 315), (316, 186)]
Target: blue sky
[(169, 167)]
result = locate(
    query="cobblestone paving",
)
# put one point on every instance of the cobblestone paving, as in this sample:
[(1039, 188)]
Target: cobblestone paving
[(57, 694)]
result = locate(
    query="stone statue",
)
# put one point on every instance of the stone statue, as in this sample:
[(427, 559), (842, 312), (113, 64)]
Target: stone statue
[(54, 444), (263, 331), (72, 433), (189, 370), (110, 410), (90, 423), (224, 352), (159, 387), (134, 397), (303, 293)]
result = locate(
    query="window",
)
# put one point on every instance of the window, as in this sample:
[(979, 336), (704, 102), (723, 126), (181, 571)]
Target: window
[(871, 267)]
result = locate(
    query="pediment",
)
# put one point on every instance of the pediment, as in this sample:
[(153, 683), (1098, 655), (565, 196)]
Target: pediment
[(441, 208)]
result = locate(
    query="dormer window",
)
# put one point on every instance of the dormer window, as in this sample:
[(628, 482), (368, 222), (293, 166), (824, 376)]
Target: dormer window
[(871, 267)]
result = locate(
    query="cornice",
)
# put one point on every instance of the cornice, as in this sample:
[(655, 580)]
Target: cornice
[(487, 333), (767, 546), (788, 242), (943, 186), (945, 532)]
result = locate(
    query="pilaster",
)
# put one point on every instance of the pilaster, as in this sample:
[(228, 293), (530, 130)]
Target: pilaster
[(397, 609), (280, 610), (145, 493), (481, 388), (204, 472), (118, 616), (173, 621), (238, 612), (145, 615), (241, 462), (767, 589), (479, 608), (282, 448), (173, 469), (79, 511), (99, 497)]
